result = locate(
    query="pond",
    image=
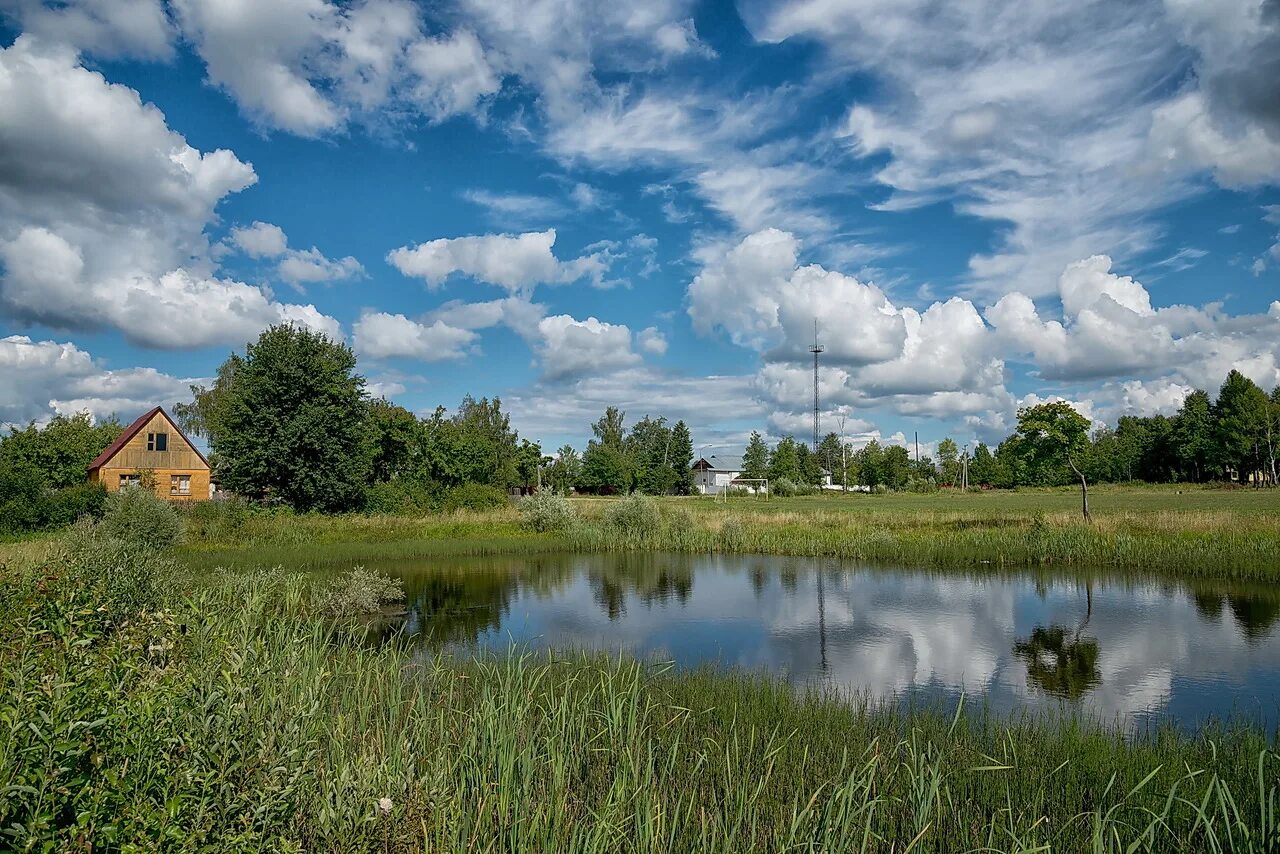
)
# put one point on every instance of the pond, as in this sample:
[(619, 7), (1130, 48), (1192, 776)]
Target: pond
[(1126, 650)]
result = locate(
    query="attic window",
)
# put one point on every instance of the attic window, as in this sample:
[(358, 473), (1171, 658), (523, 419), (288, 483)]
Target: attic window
[(157, 441)]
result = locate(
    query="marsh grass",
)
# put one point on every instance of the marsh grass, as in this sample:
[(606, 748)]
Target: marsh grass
[(227, 717)]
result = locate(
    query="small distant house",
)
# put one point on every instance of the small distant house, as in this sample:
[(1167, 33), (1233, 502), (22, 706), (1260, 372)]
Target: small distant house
[(154, 443), (712, 475)]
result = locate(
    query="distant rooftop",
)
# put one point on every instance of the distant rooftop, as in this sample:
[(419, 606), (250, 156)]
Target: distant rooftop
[(724, 462)]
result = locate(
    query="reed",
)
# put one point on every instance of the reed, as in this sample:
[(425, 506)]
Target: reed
[(142, 713)]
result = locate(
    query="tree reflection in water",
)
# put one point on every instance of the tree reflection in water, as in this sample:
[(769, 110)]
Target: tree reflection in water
[(1060, 662), (654, 578), (1255, 614)]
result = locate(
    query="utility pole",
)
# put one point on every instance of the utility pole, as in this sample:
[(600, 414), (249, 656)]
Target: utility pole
[(815, 350), (917, 447), (844, 456)]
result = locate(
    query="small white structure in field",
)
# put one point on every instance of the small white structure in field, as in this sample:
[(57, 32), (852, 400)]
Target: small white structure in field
[(713, 475)]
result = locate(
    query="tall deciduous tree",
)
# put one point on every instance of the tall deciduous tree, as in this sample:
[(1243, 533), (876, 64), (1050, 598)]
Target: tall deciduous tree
[(755, 462), (1055, 432), (1240, 425), (784, 462), (294, 423), (607, 466), (1193, 436), (563, 472), (949, 461)]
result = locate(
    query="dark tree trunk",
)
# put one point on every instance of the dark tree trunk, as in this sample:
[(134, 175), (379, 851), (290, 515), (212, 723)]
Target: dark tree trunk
[(1084, 489)]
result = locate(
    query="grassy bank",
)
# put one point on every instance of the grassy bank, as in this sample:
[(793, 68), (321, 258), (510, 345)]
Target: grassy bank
[(1201, 533), (139, 713)]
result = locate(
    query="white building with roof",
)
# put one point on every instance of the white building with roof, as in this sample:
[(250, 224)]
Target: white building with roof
[(714, 474)]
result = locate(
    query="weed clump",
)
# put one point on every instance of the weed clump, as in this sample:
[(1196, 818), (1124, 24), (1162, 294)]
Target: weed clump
[(358, 593), (545, 512), (635, 518), (139, 517)]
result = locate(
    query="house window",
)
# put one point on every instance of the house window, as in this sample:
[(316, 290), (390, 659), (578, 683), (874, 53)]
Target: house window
[(157, 441), (129, 481), (180, 484)]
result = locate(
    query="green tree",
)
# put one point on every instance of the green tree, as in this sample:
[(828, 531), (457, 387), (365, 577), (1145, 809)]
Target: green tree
[(528, 460), (784, 461), (895, 467), (755, 462), (809, 464), (206, 414), (60, 452), (983, 469), (649, 445), (563, 472), (870, 461), (607, 466), (610, 429), (682, 458), (831, 455), (396, 436), (1240, 418), (949, 461), (488, 442), (1193, 436), (1054, 432), (293, 425)]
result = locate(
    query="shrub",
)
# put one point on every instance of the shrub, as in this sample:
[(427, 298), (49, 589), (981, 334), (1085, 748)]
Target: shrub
[(474, 496), (69, 504), (221, 520), (545, 511), (922, 485), (635, 517), (400, 496), (140, 517), (784, 487), (358, 592)]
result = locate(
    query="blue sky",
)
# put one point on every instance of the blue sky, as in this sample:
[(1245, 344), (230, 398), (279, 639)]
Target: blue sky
[(571, 205)]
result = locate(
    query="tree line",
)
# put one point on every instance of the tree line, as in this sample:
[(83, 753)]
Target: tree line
[(1232, 437), (290, 422)]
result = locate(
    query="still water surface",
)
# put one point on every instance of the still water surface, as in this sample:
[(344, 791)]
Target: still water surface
[(1128, 650)]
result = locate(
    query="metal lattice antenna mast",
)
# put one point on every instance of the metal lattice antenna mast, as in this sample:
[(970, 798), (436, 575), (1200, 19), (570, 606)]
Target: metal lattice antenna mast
[(815, 350)]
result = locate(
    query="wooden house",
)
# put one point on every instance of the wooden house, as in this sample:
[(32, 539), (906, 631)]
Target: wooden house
[(154, 443)]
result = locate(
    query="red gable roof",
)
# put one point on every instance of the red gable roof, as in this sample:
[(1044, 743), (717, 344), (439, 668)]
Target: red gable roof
[(132, 430)]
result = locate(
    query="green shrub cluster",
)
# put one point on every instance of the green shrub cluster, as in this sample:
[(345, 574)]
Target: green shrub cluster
[(139, 516), (547, 512), (358, 592), (28, 504), (635, 519), (474, 496)]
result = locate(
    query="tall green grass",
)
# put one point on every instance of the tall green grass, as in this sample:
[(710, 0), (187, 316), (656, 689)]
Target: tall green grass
[(139, 713)]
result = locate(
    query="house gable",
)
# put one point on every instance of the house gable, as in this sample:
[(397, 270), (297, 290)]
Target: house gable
[(153, 441)]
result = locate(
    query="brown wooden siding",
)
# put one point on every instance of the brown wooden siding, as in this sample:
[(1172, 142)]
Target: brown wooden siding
[(177, 459)]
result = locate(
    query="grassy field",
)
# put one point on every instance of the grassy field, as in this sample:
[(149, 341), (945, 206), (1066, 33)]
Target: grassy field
[(1191, 533), (141, 713)]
